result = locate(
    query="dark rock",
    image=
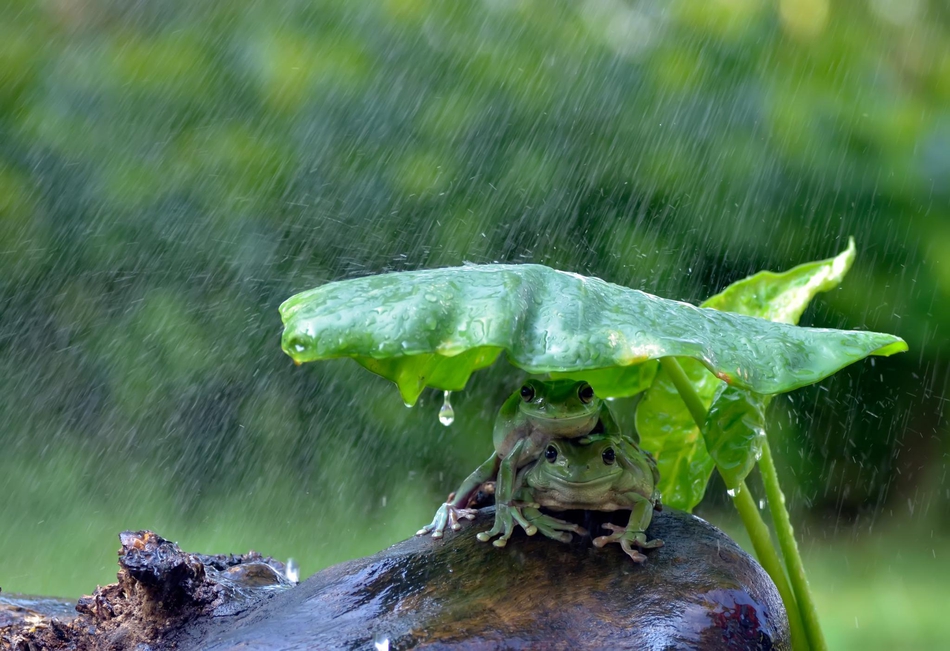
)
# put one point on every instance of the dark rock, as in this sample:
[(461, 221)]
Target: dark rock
[(700, 590)]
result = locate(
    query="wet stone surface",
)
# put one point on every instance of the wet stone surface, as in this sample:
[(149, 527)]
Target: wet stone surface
[(699, 590)]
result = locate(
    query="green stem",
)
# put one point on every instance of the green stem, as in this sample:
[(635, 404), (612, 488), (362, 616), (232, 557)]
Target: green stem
[(686, 390), (786, 540), (748, 511), (768, 557)]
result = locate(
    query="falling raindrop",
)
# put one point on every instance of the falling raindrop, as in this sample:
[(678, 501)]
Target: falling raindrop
[(446, 413), (761, 503)]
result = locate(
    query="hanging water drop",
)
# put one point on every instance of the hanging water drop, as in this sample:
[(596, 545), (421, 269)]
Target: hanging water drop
[(732, 492), (446, 413)]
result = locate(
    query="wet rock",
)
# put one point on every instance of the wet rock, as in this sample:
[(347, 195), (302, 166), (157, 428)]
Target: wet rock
[(699, 590)]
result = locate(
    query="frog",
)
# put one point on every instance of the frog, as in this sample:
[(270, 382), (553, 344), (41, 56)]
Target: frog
[(603, 472), (539, 411)]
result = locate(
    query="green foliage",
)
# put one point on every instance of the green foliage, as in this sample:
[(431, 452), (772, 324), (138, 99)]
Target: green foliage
[(734, 432), (435, 327), (668, 430), (170, 170), (732, 438)]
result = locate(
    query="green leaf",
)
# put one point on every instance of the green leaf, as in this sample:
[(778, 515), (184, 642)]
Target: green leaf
[(782, 297), (548, 321), (732, 439), (735, 427), (617, 381), (667, 430), (734, 432)]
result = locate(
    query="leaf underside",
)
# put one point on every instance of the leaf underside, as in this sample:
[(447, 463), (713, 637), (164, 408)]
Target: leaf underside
[(435, 327)]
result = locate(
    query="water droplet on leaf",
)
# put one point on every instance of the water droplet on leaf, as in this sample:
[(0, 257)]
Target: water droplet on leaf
[(446, 413)]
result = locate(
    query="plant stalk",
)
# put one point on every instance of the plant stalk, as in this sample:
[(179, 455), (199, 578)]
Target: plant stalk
[(786, 540), (748, 511), (768, 557)]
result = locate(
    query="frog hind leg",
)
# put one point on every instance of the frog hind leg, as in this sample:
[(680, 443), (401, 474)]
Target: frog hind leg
[(634, 534), (453, 512), (507, 513)]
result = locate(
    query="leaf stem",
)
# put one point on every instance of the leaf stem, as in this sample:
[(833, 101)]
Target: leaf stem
[(768, 557), (685, 388), (748, 511), (786, 540)]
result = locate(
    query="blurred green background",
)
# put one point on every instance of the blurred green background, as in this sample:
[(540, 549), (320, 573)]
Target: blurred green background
[(170, 171)]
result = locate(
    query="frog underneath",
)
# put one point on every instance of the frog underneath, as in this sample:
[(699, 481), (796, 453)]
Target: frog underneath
[(603, 472), (531, 417)]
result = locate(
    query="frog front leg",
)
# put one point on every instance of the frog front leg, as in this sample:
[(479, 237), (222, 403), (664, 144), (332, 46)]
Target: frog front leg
[(635, 531), (507, 513), (450, 513)]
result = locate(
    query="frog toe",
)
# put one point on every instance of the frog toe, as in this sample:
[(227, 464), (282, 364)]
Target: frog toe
[(557, 529), (560, 536), (631, 552), (446, 516), (616, 536), (456, 515), (485, 536), (528, 527)]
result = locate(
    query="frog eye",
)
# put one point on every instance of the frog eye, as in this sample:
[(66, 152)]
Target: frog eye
[(527, 393), (550, 454), (609, 456), (586, 393)]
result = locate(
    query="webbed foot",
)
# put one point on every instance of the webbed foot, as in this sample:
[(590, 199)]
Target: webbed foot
[(447, 515), (552, 527), (505, 518), (627, 539)]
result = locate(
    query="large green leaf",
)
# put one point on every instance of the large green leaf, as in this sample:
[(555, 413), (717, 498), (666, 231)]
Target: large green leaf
[(667, 430), (615, 381), (734, 432), (732, 437), (782, 297), (405, 326)]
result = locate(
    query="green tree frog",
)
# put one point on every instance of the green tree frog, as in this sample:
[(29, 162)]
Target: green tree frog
[(604, 472), (532, 416)]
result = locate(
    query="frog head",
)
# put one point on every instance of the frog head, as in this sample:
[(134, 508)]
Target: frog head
[(579, 463), (559, 407)]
